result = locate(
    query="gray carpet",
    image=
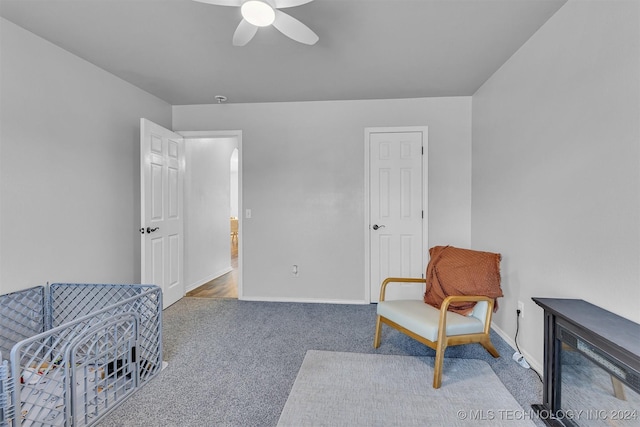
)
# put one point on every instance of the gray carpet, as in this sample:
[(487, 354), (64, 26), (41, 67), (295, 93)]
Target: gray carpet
[(233, 363), (336, 389)]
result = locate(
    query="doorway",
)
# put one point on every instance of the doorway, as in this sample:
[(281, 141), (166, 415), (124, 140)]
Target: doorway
[(213, 256), (226, 285)]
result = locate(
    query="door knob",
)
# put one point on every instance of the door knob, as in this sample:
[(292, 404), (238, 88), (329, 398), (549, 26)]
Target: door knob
[(376, 226), (151, 230)]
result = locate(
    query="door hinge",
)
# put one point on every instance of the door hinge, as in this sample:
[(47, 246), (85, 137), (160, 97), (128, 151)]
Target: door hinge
[(422, 214), (422, 150)]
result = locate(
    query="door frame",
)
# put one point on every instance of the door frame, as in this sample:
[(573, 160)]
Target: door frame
[(367, 186), (228, 134)]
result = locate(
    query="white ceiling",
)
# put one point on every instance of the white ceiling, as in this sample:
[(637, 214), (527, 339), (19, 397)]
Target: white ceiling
[(181, 51)]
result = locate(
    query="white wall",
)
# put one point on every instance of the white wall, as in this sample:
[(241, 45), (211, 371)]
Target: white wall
[(556, 166), (234, 184), (207, 247), (303, 179), (69, 166)]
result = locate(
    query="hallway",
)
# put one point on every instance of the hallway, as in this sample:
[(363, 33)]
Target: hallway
[(225, 286)]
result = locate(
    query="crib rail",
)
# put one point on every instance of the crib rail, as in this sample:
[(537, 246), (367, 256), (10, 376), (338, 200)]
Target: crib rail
[(71, 300), (105, 341), (6, 409), (22, 315)]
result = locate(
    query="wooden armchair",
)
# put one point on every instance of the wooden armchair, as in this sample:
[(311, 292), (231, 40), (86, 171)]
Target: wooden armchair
[(437, 329)]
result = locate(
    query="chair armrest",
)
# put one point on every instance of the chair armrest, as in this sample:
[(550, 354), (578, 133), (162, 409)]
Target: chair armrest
[(442, 323), (388, 280)]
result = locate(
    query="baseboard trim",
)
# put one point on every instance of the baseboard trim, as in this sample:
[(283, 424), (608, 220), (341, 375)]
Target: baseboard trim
[(535, 364), (304, 300), (209, 278)]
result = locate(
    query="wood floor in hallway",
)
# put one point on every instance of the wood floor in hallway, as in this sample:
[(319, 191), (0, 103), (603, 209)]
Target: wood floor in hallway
[(225, 286)]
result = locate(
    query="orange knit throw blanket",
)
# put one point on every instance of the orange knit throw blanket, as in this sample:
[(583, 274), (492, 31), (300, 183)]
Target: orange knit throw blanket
[(455, 271)]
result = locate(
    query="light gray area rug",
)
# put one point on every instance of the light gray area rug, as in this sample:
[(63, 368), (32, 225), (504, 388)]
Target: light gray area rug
[(355, 389)]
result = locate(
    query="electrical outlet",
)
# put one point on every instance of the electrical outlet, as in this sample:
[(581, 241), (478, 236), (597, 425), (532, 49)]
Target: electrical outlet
[(521, 308)]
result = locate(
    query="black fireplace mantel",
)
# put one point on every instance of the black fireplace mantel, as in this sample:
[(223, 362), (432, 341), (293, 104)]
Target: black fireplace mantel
[(609, 340)]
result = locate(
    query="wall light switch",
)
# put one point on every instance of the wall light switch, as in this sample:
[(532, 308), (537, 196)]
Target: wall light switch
[(247, 213)]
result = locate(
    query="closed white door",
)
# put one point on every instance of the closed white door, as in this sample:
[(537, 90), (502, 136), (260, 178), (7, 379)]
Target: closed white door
[(396, 211), (161, 188)]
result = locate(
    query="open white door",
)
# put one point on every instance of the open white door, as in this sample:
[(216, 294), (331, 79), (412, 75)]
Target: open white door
[(396, 209), (161, 195)]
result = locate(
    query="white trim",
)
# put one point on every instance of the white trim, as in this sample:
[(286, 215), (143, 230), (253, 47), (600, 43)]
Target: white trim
[(536, 365), (228, 134), (307, 300), (425, 197), (207, 279)]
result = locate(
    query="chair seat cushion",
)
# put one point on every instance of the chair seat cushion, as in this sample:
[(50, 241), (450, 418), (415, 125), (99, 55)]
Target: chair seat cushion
[(422, 319)]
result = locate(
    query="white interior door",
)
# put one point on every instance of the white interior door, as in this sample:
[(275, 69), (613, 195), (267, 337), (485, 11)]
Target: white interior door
[(396, 211), (161, 189)]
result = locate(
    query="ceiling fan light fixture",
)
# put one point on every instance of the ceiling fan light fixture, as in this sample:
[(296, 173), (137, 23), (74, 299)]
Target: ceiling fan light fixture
[(258, 13), (263, 13)]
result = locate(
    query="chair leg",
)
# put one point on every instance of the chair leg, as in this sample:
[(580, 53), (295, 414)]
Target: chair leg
[(376, 337), (488, 345), (437, 369), (618, 388)]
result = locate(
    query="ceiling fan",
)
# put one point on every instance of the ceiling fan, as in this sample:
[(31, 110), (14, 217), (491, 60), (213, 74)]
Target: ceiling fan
[(262, 13)]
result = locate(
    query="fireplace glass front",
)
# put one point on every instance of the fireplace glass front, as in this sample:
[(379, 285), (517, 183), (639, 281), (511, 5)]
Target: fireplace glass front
[(591, 395)]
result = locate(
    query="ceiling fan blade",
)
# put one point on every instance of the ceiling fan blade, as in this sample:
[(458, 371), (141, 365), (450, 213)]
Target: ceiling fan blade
[(235, 3), (294, 29), (283, 4), (244, 33)]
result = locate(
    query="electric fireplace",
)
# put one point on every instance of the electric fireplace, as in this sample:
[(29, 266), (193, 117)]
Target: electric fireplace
[(591, 366)]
